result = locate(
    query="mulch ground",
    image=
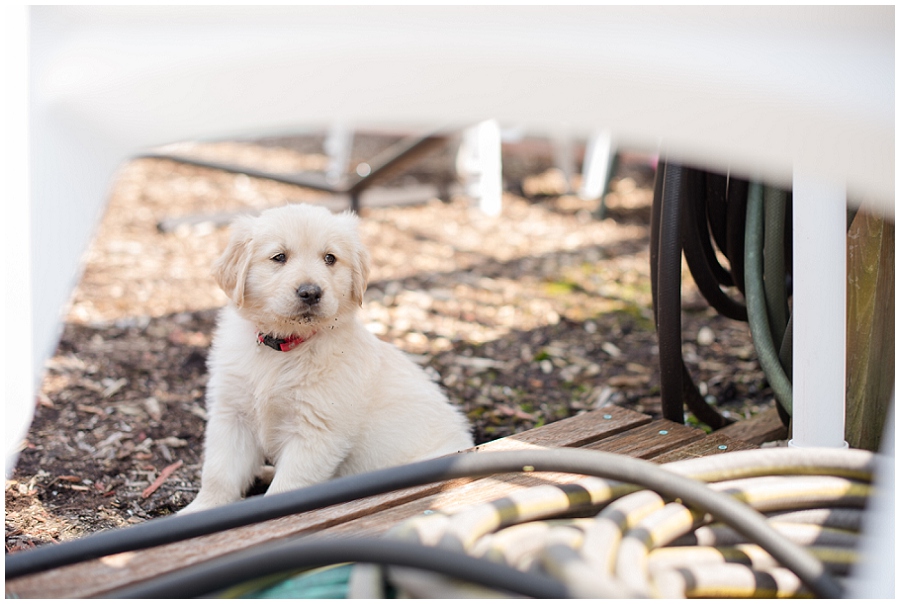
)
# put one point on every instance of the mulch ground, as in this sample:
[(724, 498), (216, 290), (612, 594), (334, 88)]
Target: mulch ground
[(526, 318)]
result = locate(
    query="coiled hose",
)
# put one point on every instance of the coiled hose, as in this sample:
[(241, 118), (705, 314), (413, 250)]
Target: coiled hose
[(717, 214), (737, 219), (775, 203), (692, 211), (757, 310), (667, 300), (708, 274), (641, 544), (677, 388), (610, 478)]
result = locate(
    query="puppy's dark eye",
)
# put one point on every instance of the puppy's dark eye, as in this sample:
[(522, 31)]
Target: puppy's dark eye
[(279, 258), (330, 259)]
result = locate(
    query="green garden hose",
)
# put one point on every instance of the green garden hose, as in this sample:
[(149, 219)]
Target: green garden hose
[(775, 202), (757, 312)]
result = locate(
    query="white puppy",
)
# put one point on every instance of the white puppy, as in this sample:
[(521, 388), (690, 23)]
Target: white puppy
[(295, 378)]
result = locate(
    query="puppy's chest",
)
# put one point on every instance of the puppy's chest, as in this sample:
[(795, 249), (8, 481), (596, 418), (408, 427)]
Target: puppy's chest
[(293, 397)]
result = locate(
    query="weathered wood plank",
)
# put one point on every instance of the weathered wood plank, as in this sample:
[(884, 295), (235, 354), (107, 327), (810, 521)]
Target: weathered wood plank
[(762, 428), (648, 443), (95, 577), (576, 431), (870, 328), (650, 440), (711, 445)]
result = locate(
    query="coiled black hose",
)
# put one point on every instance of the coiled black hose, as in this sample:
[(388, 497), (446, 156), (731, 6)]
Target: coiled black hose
[(677, 388), (691, 492), (714, 209), (668, 309), (267, 560), (708, 274), (717, 214), (737, 217)]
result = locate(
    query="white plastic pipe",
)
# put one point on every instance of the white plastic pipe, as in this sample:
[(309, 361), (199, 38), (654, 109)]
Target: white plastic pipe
[(480, 165), (597, 164), (338, 145), (819, 311)]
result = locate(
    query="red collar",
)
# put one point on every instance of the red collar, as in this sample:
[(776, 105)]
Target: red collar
[(282, 344)]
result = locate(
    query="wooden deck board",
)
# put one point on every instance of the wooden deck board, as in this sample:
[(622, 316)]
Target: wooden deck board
[(765, 427), (709, 445), (611, 429), (643, 441), (649, 440)]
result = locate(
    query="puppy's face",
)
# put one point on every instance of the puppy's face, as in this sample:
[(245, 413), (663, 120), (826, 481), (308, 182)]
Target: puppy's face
[(294, 269)]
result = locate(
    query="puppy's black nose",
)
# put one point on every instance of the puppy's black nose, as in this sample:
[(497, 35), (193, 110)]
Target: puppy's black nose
[(309, 293)]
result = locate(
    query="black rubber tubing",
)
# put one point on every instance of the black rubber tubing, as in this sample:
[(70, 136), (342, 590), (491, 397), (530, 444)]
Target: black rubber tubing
[(706, 195), (697, 494), (655, 217), (698, 251), (677, 388), (668, 275), (265, 560), (717, 215), (737, 217), (721, 506)]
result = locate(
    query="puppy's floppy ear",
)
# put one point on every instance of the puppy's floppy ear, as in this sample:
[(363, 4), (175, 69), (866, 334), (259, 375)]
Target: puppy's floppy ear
[(360, 261), (360, 274), (230, 270)]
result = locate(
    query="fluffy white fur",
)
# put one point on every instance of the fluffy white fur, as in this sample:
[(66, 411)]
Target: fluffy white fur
[(340, 403)]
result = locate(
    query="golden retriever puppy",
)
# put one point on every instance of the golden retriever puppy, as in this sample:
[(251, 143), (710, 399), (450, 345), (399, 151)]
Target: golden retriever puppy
[(295, 377)]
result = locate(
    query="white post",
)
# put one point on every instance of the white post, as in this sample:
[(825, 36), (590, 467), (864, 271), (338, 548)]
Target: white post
[(819, 311), (338, 144), (479, 162), (563, 154), (597, 162)]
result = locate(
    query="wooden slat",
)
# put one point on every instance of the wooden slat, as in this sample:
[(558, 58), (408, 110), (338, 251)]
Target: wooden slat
[(576, 431), (646, 440), (650, 440), (711, 445), (762, 428), (99, 576), (870, 328)]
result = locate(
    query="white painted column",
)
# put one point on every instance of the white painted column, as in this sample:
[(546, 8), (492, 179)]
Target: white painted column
[(819, 311), (598, 159), (338, 144), (480, 165), (564, 153)]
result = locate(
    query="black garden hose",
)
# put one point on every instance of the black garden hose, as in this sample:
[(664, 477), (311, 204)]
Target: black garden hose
[(717, 215), (677, 388), (670, 484), (668, 309), (591, 463), (705, 268), (655, 218), (736, 219), (714, 209), (269, 559)]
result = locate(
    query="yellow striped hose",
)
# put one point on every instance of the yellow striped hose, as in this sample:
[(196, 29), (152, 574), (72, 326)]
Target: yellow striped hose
[(641, 544)]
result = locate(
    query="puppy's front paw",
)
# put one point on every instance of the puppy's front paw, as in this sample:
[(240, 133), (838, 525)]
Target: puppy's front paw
[(194, 506), (203, 502)]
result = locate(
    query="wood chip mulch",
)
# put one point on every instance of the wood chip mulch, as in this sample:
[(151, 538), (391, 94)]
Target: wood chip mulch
[(526, 318)]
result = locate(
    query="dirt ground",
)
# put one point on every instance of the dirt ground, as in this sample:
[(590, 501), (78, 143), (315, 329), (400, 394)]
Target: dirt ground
[(526, 318)]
